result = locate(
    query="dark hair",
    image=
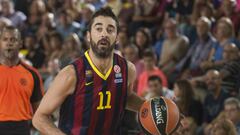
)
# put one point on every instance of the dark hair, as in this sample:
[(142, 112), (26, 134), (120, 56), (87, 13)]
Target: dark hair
[(187, 94), (12, 29), (154, 77), (106, 12), (146, 32), (149, 53), (57, 35)]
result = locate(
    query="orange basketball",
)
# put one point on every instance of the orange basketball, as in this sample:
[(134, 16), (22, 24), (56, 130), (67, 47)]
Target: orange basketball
[(159, 116)]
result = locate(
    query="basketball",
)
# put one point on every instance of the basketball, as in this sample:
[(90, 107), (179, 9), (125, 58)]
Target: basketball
[(159, 116)]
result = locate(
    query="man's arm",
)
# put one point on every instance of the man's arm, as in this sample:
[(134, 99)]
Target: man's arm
[(134, 102), (62, 86)]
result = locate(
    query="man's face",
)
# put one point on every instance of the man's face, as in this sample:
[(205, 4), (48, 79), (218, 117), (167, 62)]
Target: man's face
[(202, 28), (170, 29), (141, 39), (155, 86), (9, 44), (222, 30), (6, 7), (213, 80), (232, 112), (149, 62), (29, 42), (102, 36)]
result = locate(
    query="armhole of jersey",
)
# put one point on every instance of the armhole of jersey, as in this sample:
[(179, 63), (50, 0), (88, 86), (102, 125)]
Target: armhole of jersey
[(36, 84), (77, 76), (126, 64)]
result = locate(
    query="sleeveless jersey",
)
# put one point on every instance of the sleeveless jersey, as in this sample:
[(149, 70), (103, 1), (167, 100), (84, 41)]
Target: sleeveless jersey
[(97, 105)]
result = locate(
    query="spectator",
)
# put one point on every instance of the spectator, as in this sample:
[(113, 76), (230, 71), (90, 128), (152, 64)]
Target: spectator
[(47, 26), (17, 17), (228, 9), (66, 24), (72, 7), (155, 88), (159, 42), (131, 54), (174, 47), (55, 43), (34, 54), (225, 35), (36, 10), (150, 69), (230, 69), (199, 51), (214, 101), (71, 50), (147, 13), (53, 6), (142, 40), (230, 53), (53, 67), (86, 14), (116, 5), (232, 111), (188, 127), (179, 8), (208, 11), (223, 127), (185, 99), (123, 41)]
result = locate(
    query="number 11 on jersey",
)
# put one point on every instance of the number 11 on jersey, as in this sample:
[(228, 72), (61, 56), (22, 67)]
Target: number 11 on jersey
[(101, 97)]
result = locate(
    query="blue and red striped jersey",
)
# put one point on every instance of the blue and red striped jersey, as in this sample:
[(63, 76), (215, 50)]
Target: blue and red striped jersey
[(97, 105)]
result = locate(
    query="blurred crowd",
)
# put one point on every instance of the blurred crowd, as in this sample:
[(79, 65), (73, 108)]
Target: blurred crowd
[(185, 50)]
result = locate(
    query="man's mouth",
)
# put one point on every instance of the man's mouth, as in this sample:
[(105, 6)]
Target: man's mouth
[(104, 42)]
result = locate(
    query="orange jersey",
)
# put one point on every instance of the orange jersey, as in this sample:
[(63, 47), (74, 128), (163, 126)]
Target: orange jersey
[(20, 86)]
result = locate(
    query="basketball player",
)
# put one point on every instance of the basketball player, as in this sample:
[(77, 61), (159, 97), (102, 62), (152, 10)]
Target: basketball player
[(21, 87), (93, 91)]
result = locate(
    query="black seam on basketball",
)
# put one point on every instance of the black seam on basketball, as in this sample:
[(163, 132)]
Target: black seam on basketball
[(159, 114), (142, 128), (177, 126), (167, 115), (150, 108)]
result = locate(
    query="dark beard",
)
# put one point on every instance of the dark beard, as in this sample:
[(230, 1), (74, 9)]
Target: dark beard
[(101, 52), (10, 54)]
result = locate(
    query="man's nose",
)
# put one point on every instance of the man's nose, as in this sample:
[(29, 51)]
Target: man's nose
[(104, 33), (9, 44)]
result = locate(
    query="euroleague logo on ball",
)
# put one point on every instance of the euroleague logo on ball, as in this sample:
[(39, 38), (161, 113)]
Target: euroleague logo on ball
[(144, 113)]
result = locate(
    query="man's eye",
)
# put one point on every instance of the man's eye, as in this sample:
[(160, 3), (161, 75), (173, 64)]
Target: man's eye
[(99, 29), (110, 30)]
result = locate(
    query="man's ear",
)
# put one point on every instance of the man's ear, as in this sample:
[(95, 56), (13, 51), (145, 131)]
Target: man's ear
[(88, 36), (117, 39)]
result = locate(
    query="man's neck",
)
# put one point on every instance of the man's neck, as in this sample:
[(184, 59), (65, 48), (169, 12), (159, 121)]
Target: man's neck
[(9, 62), (223, 41), (102, 64), (203, 38), (173, 37), (149, 69), (216, 94)]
